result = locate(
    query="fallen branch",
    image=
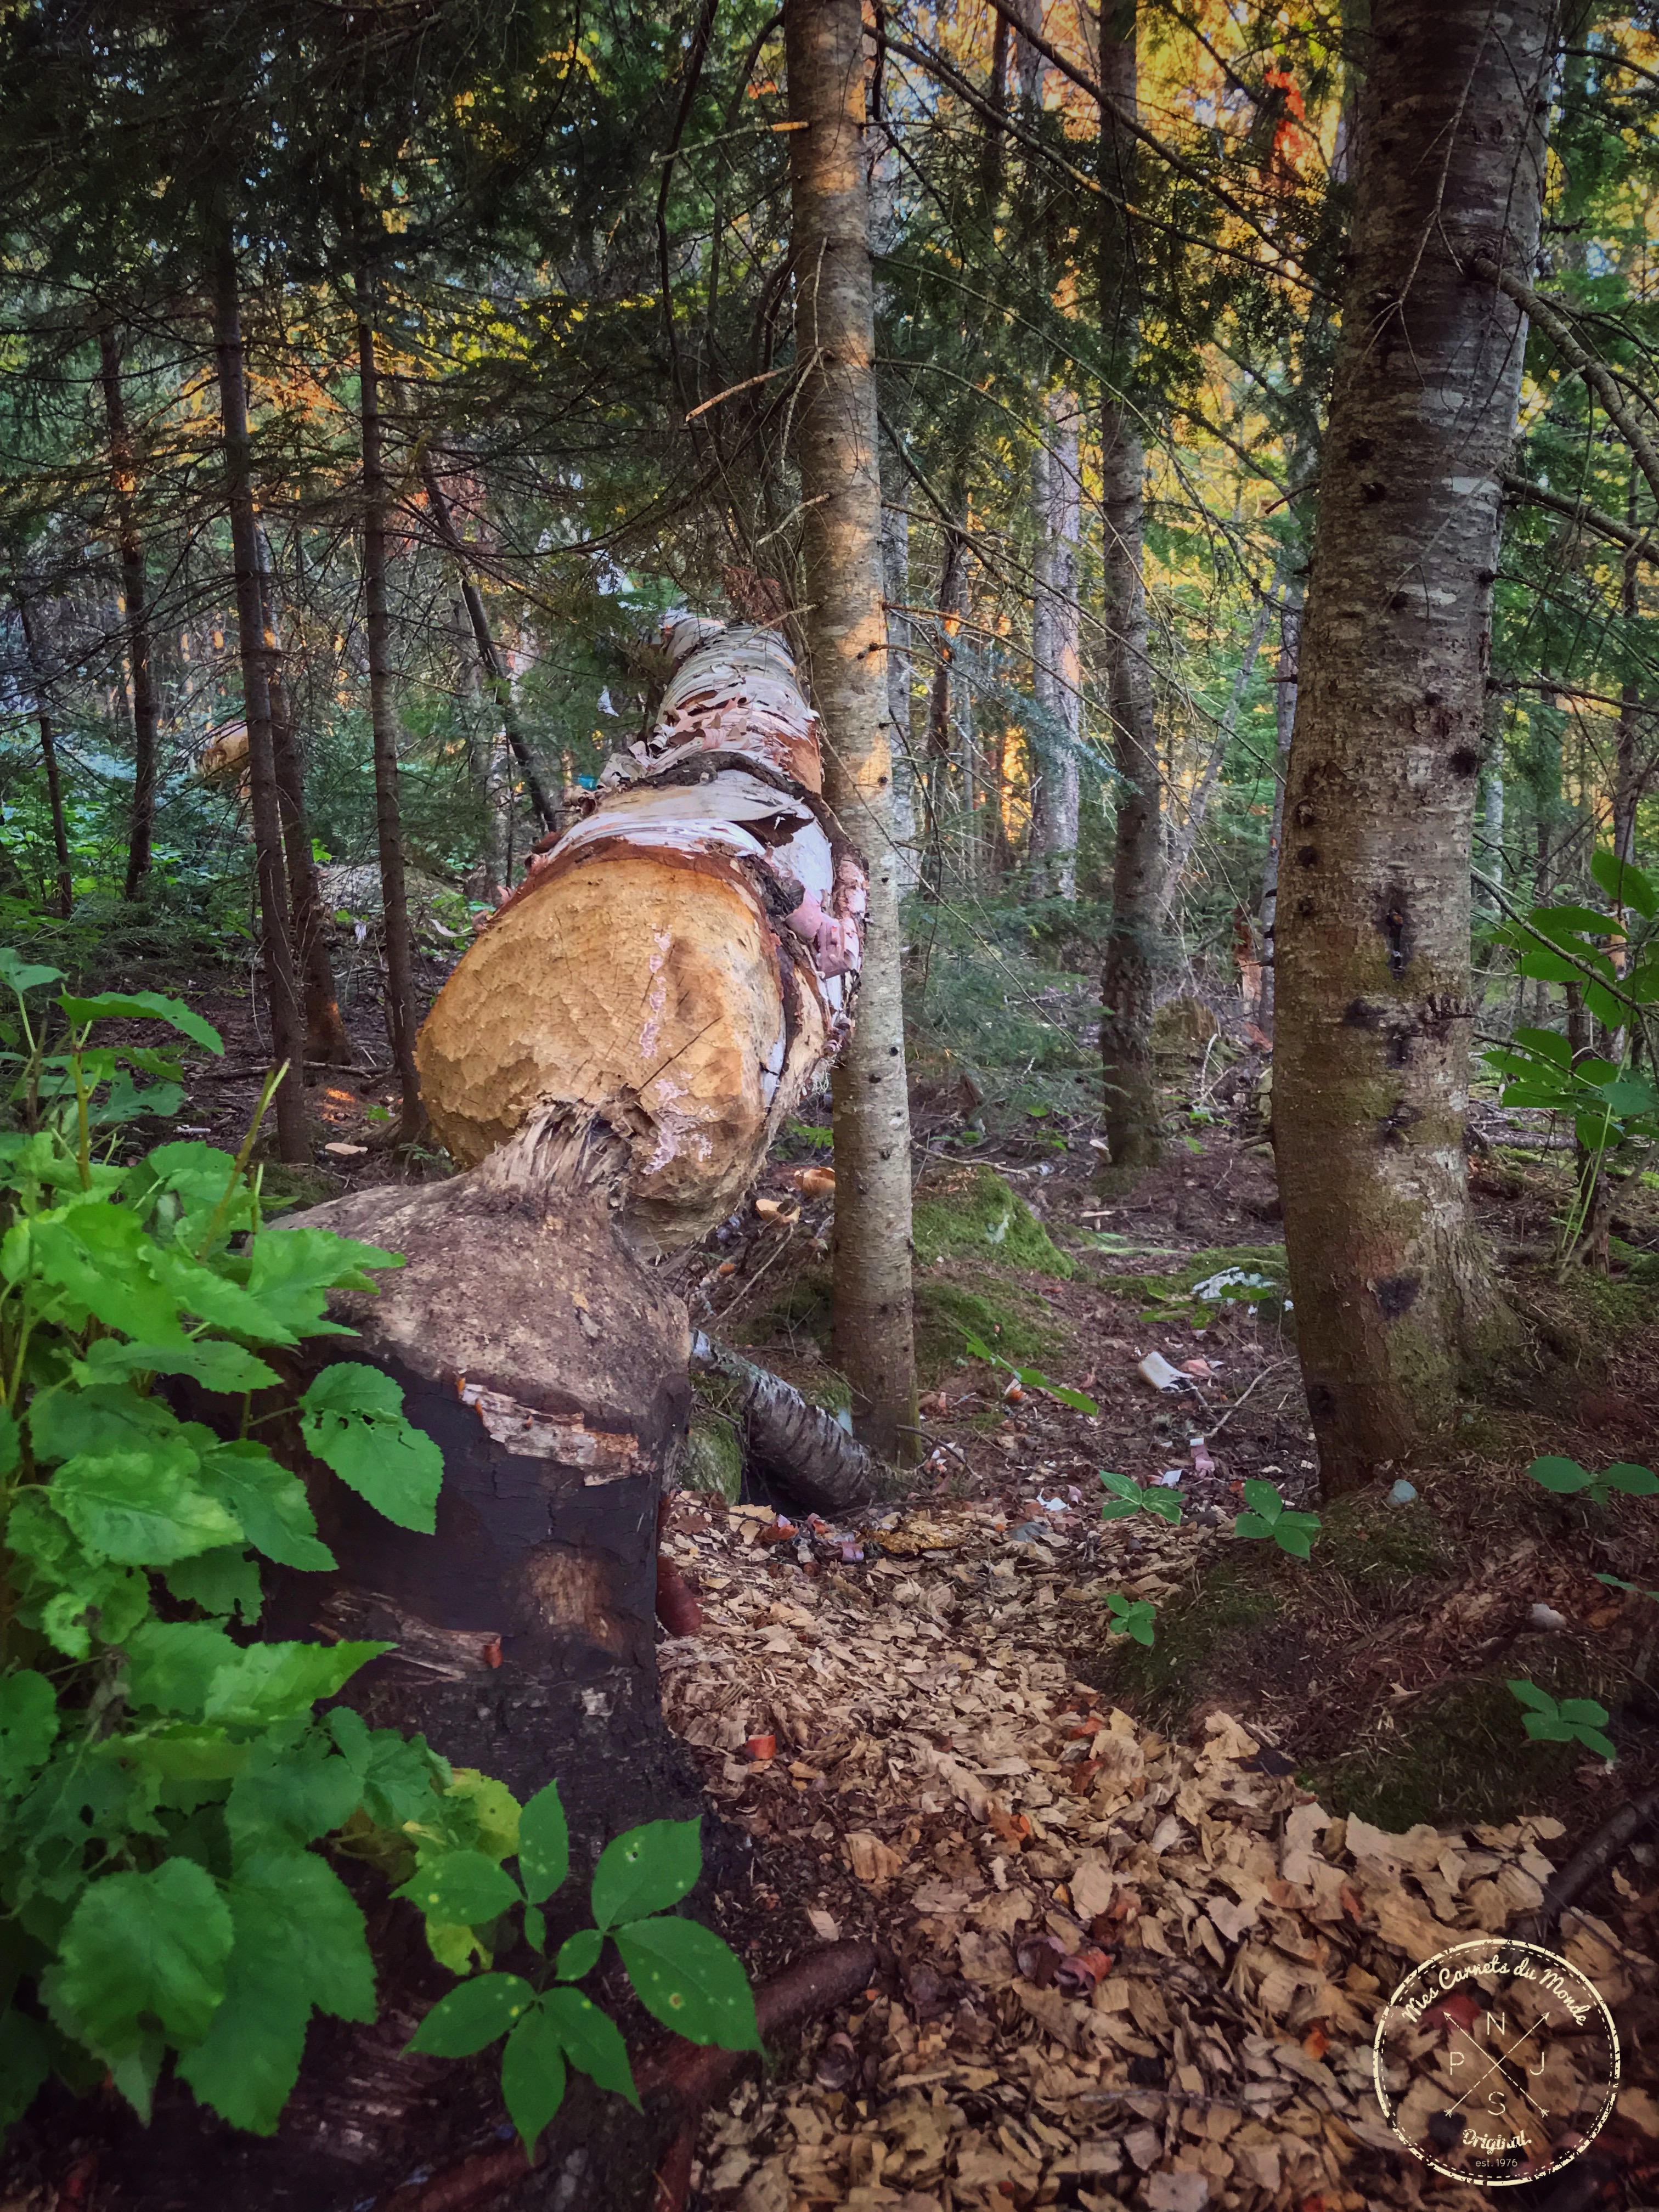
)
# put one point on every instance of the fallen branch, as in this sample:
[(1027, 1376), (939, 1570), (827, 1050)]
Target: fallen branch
[(798, 1447), (1587, 1865)]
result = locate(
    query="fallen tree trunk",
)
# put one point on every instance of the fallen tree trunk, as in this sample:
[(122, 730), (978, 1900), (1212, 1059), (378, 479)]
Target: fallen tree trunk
[(613, 1054), (689, 949), (793, 1445)]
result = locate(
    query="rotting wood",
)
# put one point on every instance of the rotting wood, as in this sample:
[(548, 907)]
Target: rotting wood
[(687, 954)]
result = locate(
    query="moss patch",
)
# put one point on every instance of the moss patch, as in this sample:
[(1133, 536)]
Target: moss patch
[(971, 1213), (1459, 1755), (1378, 1548), (1229, 1610), (1179, 1284), (712, 1458), (948, 1313)]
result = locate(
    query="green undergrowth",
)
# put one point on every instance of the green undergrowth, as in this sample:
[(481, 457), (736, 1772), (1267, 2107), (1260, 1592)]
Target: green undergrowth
[(1007, 1315), (971, 1213), (1457, 1755), (1169, 1295)]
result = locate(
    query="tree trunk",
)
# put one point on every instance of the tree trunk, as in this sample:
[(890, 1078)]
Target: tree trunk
[(942, 696), (1371, 1087), (548, 809), (48, 761), (1056, 680), (383, 715), (326, 1040), (1132, 1118), (1290, 637), (840, 488), (286, 1015), (1628, 771), (124, 483), (895, 580), (1181, 849)]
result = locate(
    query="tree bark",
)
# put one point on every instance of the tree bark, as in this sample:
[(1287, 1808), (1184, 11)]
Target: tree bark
[(130, 546), (548, 812), (326, 1039), (48, 761), (944, 695), (1290, 637), (286, 1015), (383, 715), (1056, 679), (1132, 1121), (1372, 1085), (1181, 849), (840, 487)]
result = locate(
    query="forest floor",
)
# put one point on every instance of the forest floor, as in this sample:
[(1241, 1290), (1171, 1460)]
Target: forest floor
[(1137, 1909)]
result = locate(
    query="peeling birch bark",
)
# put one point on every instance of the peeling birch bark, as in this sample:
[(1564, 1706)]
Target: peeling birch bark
[(687, 954)]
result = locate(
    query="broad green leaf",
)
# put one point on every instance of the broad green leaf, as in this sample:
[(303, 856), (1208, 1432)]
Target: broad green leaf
[(592, 2041), (1296, 1534), (142, 1509), (1607, 1009), (24, 975), (1529, 1694), (291, 1271), (535, 1927), (222, 1582), (352, 1417), (579, 1954), (1264, 1499), (215, 1365), (533, 2075), (25, 2063), (97, 1256), (688, 1978), (1562, 922), (289, 1793), (200, 1290), (1548, 967), (299, 1944), (1548, 1727), (268, 1682), (1594, 1740), (1252, 1524), (1166, 1504), (1633, 1481), (1581, 1710), (544, 1844), (138, 1005), (463, 1887), (139, 1945), (29, 1727), (1563, 1476), (11, 1444), (395, 1774), (174, 1662), (188, 1751), (271, 1505), (494, 1809), (111, 1417), (1625, 884), (472, 2016), (647, 1870)]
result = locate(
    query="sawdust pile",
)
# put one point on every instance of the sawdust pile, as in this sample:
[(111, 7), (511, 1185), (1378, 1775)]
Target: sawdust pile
[(1125, 1970)]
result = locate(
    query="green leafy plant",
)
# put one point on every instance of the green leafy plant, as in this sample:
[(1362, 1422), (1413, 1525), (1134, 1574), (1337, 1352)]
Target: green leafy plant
[(1124, 1496), (683, 1973), (1574, 1720), (164, 1779), (1269, 1515), (1565, 1478), (1030, 1378), (1613, 1582), (1132, 1616)]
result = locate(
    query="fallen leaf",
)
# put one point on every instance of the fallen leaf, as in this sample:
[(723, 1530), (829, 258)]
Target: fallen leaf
[(871, 1860), (343, 1151)]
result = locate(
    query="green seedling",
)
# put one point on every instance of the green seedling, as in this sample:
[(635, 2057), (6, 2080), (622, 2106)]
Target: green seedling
[(1132, 1616), (1574, 1720), (1269, 1515), (1126, 1496)]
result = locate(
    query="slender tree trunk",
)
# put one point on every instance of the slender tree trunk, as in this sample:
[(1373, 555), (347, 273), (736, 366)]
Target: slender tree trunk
[(1627, 771), (1056, 675), (1372, 1085), (944, 696), (48, 761), (123, 481), (548, 809), (1289, 636), (1185, 837), (840, 485), (1132, 1120), (896, 575), (286, 1015), (325, 1031), (383, 716)]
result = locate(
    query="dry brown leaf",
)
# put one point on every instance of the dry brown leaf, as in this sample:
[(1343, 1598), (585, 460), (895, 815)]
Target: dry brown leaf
[(871, 1860)]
